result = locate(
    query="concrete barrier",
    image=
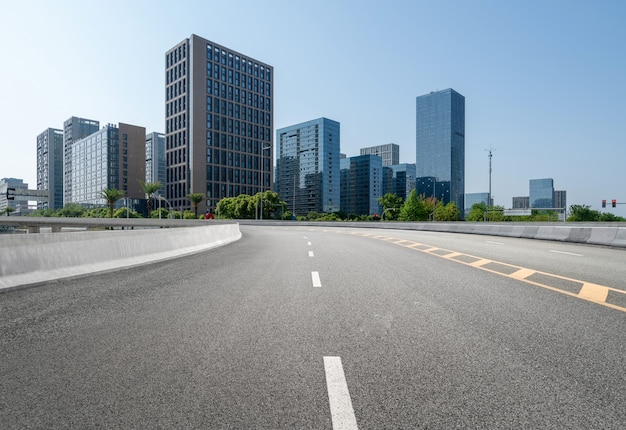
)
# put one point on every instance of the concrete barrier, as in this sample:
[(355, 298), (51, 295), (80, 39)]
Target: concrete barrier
[(36, 258)]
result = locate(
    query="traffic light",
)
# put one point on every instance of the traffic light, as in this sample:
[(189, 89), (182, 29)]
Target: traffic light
[(614, 203), (603, 203)]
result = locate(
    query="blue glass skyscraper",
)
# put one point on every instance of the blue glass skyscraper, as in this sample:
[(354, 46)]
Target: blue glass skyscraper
[(440, 145), (541, 193)]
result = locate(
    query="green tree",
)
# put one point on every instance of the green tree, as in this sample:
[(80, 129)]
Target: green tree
[(195, 199), (8, 210), (447, 212), (609, 217), (477, 212), (150, 188), (391, 204), (583, 213), (417, 208), (112, 195), (71, 210)]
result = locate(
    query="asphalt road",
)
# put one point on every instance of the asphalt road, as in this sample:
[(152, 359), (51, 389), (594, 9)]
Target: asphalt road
[(325, 329)]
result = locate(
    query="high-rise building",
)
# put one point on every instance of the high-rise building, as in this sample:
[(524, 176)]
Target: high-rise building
[(50, 167), (560, 199), (390, 153), (112, 157), (155, 160), (440, 144), (541, 193), (361, 184), (308, 166), (73, 129), (218, 123)]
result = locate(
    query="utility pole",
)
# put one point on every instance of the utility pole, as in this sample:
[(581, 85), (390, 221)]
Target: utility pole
[(489, 195)]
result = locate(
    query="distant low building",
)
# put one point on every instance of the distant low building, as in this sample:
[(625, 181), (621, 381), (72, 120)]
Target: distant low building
[(473, 198), (389, 153), (20, 206), (521, 202)]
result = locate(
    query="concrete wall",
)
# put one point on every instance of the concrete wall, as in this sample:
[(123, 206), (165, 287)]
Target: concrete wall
[(36, 258)]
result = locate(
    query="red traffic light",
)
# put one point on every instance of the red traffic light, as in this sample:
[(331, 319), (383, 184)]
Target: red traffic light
[(614, 203), (603, 203)]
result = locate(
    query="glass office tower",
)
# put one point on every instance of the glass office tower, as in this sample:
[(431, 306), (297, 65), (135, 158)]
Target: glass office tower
[(218, 123), (440, 145), (361, 184), (541, 193), (308, 166)]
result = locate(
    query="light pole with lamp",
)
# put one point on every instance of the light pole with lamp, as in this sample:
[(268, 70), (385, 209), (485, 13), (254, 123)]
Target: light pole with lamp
[(263, 148), (159, 198)]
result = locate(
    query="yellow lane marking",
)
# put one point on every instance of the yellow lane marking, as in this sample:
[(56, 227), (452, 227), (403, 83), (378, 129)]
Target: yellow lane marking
[(588, 291), (522, 274), (594, 293)]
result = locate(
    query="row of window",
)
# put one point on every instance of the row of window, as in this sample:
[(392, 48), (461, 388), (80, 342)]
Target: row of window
[(233, 159), (239, 79), (176, 106), (178, 156), (176, 55), (238, 128), (227, 141), (177, 89), (175, 140), (232, 93), (238, 63), (176, 72), (176, 123)]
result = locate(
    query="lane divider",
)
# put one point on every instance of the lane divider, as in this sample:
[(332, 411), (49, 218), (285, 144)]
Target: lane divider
[(341, 411), (606, 296)]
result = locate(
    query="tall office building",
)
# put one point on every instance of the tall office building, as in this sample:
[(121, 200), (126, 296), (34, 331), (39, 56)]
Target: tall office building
[(541, 193), (560, 199), (73, 129), (113, 157), (440, 145), (155, 160), (50, 167), (361, 184), (218, 123), (308, 166), (390, 153)]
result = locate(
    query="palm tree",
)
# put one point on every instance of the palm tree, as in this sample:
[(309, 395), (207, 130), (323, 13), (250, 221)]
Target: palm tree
[(8, 210), (150, 188), (195, 199), (111, 195)]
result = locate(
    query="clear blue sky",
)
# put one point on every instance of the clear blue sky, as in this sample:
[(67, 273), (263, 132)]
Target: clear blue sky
[(543, 80)]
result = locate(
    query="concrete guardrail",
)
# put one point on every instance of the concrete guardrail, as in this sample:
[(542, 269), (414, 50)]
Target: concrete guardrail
[(27, 259)]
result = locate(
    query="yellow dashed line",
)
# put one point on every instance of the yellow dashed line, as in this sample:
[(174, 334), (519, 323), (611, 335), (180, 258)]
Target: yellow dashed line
[(589, 292), (479, 263), (522, 274), (594, 293)]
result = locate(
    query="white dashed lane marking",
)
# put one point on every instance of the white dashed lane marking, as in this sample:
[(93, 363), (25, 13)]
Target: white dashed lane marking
[(315, 276), (341, 411)]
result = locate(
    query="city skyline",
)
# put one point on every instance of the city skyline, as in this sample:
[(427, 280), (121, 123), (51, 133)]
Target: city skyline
[(542, 82)]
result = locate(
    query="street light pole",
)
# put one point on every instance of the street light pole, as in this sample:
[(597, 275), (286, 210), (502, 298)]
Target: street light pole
[(262, 176), (490, 150)]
